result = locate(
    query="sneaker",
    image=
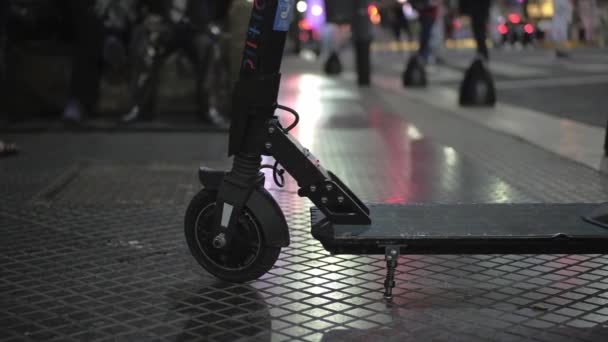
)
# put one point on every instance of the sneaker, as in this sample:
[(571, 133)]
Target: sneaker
[(73, 112), (131, 116), (7, 149), (561, 54), (215, 118)]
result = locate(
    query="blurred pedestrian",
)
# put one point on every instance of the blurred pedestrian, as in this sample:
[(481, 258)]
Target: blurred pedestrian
[(589, 14), (87, 31), (562, 17), (438, 36), (428, 12), (170, 27), (603, 26), (118, 18), (400, 23)]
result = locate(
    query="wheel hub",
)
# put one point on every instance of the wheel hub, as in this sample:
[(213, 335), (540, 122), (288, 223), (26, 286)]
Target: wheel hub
[(219, 241), (235, 253)]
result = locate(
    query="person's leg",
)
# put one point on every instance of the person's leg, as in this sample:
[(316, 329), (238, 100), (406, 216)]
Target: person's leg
[(479, 19), (560, 36), (396, 30), (426, 28), (405, 25), (149, 51), (198, 48), (86, 63)]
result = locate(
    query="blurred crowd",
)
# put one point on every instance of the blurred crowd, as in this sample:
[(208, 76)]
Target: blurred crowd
[(509, 23), (124, 41), (129, 42)]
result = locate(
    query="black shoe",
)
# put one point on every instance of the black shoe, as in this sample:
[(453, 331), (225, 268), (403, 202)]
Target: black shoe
[(131, 116), (7, 149), (561, 54), (135, 115), (215, 118), (73, 113)]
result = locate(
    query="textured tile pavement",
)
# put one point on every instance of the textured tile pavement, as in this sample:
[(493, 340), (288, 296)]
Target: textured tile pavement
[(92, 245)]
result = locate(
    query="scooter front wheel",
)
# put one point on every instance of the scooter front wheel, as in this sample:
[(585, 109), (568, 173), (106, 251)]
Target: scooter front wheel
[(246, 257)]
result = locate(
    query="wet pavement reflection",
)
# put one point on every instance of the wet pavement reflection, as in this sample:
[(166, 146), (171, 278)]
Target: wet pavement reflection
[(380, 155), (92, 246)]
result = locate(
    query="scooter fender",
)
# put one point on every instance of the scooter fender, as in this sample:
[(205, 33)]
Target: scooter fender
[(266, 209)]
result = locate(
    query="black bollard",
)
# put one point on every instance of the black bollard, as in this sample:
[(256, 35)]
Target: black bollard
[(414, 74), (477, 88), (333, 66)]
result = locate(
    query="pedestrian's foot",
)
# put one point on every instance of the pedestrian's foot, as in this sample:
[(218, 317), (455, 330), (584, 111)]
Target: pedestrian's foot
[(72, 113), (7, 149), (133, 115), (215, 118), (561, 54)]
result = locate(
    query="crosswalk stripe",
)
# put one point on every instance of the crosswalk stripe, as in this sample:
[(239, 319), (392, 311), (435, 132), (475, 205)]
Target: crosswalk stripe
[(512, 70), (538, 128), (434, 74), (587, 67), (552, 82)]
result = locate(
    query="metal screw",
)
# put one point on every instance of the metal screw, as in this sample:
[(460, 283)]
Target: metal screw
[(268, 146), (313, 188), (219, 241), (324, 200), (340, 199), (271, 130), (329, 187)]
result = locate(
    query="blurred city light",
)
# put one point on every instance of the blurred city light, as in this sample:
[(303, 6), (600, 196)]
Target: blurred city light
[(375, 19), (374, 14), (503, 29), (372, 10), (514, 18), (457, 24), (413, 133), (305, 24), (302, 6), (529, 28), (317, 10)]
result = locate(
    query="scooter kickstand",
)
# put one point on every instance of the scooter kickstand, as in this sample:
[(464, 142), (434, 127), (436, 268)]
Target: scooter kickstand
[(391, 256)]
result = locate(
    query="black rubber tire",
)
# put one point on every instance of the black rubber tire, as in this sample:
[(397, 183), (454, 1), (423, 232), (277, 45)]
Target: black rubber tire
[(264, 260)]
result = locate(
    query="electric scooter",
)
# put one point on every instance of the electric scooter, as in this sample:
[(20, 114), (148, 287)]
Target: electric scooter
[(235, 229)]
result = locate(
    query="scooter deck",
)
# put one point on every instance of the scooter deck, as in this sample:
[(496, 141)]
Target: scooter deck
[(467, 229)]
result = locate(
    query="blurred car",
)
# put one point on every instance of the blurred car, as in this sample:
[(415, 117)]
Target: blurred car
[(514, 30)]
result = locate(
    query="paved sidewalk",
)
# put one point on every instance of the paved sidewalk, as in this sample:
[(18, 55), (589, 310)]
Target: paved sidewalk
[(92, 244)]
